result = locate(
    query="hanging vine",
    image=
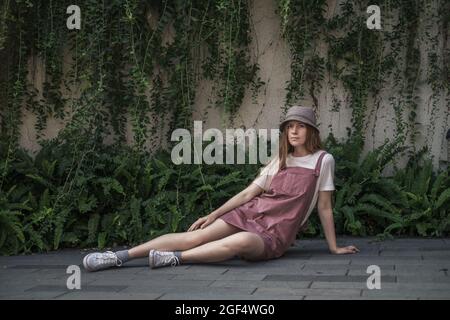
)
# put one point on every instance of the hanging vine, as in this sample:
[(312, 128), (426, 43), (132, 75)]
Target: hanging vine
[(363, 60)]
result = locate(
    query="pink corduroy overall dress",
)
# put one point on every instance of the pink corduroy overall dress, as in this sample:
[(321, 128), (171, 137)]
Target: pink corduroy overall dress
[(276, 215)]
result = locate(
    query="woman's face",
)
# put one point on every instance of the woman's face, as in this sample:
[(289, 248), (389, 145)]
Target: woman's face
[(296, 132)]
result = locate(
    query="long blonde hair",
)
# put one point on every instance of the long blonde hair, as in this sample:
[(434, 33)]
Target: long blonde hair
[(312, 143)]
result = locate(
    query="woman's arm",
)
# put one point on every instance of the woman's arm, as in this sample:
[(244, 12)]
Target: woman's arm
[(324, 207), (242, 197)]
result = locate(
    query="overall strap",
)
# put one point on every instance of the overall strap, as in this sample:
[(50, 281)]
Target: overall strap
[(319, 164)]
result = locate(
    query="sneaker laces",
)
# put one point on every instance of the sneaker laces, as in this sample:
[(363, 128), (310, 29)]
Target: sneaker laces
[(170, 258), (108, 258)]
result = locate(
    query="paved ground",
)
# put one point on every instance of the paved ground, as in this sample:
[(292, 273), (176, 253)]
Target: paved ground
[(410, 269)]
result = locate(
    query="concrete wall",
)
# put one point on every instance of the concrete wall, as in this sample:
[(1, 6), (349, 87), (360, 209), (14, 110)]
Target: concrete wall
[(272, 54)]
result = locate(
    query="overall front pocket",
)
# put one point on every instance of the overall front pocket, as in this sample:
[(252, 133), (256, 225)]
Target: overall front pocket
[(293, 184)]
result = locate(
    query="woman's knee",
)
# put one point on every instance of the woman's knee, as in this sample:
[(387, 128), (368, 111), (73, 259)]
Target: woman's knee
[(246, 243), (192, 239), (217, 230)]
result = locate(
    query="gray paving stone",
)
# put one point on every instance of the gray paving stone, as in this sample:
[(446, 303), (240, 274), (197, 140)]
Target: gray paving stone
[(283, 263), (260, 284), (442, 248), (125, 278), (86, 288), (435, 258), (6, 291), (429, 263), (414, 285), (395, 273), (389, 285), (311, 292), (33, 295), (407, 258), (338, 285), (387, 293), (60, 275), (41, 266), (330, 261), (155, 283), (264, 296), (227, 276), (279, 271), (331, 272), (325, 278), (335, 297), (223, 296), (8, 272), (292, 271), (28, 278), (81, 295), (403, 254), (422, 278), (423, 268), (189, 291), (6, 288), (386, 260), (391, 298), (327, 267), (180, 270), (412, 242), (209, 269), (409, 266), (125, 270)]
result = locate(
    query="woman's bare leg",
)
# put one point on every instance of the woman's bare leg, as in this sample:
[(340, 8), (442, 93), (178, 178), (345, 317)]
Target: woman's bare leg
[(248, 245), (185, 240)]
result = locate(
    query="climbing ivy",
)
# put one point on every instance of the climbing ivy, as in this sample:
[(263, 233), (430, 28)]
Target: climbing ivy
[(124, 52), (142, 62), (366, 61)]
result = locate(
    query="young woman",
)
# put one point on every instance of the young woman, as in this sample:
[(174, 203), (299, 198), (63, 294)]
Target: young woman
[(260, 222)]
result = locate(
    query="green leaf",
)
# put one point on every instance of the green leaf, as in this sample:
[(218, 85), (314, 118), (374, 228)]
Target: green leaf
[(87, 204), (136, 220), (61, 220), (205, 188), (393, 226), (44, 201), (229, 179), (101, 241), (160, 165), (443, 198), (437, 184), (39, 180), (176, 217), (109, 184), (422, 229), (93, 223), (371, 210)]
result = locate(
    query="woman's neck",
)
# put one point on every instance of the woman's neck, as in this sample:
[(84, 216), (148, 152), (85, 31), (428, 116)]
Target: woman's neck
[(300, 152)]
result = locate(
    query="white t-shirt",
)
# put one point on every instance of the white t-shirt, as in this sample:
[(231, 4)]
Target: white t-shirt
[(326, 177)]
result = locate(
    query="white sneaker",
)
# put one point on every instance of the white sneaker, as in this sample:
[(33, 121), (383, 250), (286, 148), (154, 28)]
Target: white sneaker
[(99, 261), (158, 259)]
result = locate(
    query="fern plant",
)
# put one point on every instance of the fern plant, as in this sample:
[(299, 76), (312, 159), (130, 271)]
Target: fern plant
[(426, 209)]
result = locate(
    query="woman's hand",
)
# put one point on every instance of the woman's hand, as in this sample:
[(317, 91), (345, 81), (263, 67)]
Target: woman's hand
[(202, 222), (345, 250)]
